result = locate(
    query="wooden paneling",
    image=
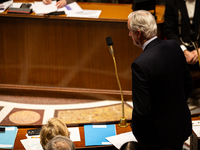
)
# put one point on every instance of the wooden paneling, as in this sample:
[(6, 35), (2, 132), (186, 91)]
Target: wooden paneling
[(67, 52)]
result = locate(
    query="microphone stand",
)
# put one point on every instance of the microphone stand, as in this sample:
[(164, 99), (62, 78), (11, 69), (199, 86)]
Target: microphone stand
[(123, 121)]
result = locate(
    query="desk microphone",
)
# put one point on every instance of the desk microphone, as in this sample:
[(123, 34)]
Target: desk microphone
[(123, 122), (195, 44), (110, 44)]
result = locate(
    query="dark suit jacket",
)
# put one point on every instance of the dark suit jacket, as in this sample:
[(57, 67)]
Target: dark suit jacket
[(171, 21), (161, 84)]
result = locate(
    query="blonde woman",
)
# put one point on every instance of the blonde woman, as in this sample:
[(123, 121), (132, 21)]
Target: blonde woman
[(53, 128)]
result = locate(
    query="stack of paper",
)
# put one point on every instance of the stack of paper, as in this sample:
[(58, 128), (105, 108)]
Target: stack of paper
[(7, 138), (5, 5)]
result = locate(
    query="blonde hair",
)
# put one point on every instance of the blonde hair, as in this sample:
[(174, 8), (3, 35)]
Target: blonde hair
[(53, 128)]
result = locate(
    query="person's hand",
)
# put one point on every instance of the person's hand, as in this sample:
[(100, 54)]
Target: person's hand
[(46, 2), (191, 56), (61, 3)]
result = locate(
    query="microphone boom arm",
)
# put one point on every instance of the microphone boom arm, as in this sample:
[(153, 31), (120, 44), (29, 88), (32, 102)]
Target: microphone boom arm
[(122, 98), (123, 122)]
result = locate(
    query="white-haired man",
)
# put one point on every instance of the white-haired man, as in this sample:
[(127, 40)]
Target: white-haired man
[(161, 84)]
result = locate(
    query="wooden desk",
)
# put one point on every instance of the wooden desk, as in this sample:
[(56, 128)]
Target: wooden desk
[(62, 52), (79, 145)]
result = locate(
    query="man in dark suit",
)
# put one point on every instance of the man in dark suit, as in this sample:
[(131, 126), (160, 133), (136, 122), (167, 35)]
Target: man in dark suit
[(182, 18), (161, 84)]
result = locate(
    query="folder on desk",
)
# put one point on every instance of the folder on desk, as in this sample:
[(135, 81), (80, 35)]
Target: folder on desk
[(96, 134), (7, 138)]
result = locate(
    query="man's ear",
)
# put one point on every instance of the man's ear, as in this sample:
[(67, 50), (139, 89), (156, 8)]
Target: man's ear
[(139, 33)]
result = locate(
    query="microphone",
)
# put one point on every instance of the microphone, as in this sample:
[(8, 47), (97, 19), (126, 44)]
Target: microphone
[(195, 44), (123, 122), (110, 44)]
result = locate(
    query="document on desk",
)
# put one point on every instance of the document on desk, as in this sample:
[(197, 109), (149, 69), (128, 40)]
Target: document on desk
[(85, 14), (40, 8), (96, 134), (74, 134), (7, 138), (196, 127), (5, 5), (120, 139), (32, 143)]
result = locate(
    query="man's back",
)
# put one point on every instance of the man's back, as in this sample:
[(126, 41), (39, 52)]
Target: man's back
[(162, 82)]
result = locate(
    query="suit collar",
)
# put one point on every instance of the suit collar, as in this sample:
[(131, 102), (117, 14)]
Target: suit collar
[(152, 43), (147, 42)]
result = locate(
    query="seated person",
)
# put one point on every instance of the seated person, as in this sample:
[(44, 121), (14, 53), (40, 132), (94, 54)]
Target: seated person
[(60, 143), (60, 3), (132, 145), (53, 128)]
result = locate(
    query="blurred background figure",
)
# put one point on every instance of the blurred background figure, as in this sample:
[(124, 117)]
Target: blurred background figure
[(132, 145), (60, 143)]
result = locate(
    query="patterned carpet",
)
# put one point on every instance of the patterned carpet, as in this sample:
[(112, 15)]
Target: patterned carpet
[(22, 111)]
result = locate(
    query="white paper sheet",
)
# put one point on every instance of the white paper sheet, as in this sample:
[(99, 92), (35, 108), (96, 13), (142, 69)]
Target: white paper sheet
[(40, 8), (120, 139), (74, 134), (196, 127), (16, 5), (85, 14), (5, 5), (32, 144)]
